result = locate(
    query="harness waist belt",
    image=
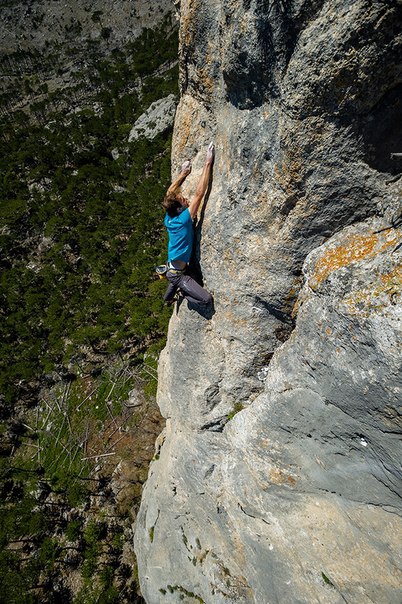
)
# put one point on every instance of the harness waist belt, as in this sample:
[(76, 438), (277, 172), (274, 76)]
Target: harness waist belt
[(175, 271)]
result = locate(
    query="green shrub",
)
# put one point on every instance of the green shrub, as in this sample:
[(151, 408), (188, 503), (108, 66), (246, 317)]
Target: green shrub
[(236, 408), (74, 530)]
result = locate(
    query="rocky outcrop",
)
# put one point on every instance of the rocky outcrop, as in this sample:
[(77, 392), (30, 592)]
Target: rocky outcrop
[(279, 480), (157, 118)]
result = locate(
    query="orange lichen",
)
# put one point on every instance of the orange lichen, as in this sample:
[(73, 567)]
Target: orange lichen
[(394, 278), (206, 81), (384, 290), (188, 21), (288, 174), (277, 476), (359, 247)]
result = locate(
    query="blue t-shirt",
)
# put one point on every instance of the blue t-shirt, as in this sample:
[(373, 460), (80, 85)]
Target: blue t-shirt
[(181, 236)]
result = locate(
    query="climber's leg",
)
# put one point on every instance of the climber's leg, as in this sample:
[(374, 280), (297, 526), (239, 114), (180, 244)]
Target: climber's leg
[(170, 292), (189, 288), (193, 292)]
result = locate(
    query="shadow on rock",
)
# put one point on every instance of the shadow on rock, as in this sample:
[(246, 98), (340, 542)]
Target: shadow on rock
[(205, 310)]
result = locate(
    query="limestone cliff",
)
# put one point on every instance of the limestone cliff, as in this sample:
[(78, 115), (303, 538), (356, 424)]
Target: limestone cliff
[(279, 479)]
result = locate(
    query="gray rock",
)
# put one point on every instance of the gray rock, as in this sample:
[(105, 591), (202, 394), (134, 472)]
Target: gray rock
[(296, 497), (157, 118)]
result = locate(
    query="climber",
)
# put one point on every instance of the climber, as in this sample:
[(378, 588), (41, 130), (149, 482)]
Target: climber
[(180, 214)]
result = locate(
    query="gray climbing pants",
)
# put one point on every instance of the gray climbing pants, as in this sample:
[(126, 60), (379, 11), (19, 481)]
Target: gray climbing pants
[(191, 290)]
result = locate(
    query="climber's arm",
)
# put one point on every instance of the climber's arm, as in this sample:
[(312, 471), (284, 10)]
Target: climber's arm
[(176, 184), (203, 182)]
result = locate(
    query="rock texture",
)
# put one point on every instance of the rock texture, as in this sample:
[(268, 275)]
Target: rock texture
[(279, 479)]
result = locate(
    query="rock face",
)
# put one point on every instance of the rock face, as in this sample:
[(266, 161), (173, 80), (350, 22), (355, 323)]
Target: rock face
[(279, 480)]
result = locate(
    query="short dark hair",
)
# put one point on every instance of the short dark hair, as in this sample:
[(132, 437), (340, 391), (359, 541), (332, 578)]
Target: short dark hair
[(171, 204)]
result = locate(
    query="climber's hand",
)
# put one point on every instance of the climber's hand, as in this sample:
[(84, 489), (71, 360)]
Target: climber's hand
[(186, 167), (210, 153)]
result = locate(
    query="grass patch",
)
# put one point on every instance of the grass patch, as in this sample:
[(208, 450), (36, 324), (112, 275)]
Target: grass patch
[(236, 408), (327, 580)]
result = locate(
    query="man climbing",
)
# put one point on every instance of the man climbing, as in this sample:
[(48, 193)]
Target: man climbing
[(180, 214)]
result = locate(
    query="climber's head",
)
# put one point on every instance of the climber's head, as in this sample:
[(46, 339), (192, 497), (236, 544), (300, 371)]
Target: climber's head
[(174, 203)]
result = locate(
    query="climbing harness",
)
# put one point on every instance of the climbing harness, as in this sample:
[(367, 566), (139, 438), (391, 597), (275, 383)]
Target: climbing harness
[(173, 270)]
